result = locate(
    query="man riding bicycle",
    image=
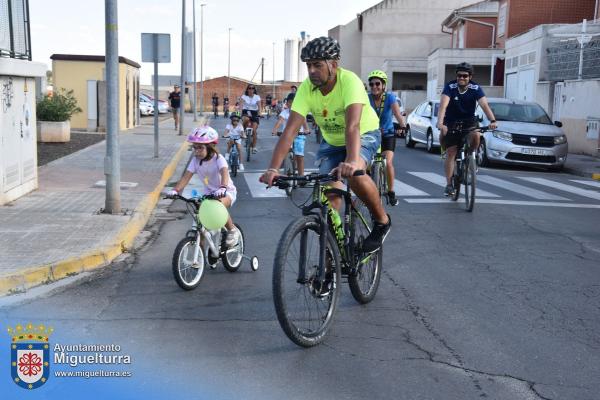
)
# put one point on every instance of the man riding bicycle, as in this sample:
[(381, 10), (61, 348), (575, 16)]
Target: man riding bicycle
[(350, 127), (457, 108)]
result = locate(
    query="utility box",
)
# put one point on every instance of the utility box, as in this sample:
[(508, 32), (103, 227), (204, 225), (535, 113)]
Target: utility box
[(18, 136)]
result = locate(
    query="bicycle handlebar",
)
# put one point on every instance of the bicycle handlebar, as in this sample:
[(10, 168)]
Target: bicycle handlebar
[(282, 181), (477, 128)]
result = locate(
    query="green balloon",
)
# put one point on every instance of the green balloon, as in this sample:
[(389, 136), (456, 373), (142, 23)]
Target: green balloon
[(213, 214)]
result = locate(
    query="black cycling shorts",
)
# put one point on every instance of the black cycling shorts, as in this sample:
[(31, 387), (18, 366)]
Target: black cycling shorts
[(253, 115), (388, 143), (454, 139)]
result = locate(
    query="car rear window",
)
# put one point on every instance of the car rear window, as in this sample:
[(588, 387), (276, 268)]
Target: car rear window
[(532, 113)]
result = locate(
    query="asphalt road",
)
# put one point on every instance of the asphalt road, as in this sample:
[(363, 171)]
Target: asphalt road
[(501, 303)]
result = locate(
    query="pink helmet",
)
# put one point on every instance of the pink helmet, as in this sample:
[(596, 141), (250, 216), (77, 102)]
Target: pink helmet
[(204, 135)]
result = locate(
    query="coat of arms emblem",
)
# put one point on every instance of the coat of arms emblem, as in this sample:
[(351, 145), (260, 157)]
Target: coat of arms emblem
[(30, 355)]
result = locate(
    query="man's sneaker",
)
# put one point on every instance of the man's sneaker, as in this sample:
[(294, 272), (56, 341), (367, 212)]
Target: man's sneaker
[(254, 151), (392, 200), (375, 239), (241, 167), (232, 238), (449, 190)]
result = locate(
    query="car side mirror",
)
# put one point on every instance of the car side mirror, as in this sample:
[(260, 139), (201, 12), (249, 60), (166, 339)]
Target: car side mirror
[(558, 123)]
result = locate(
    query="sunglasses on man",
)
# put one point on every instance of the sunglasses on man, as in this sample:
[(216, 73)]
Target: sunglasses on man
[(464, 76), (374, 83)]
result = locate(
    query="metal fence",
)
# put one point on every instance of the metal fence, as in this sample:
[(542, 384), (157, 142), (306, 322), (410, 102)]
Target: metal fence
[(565, 55), (15, 39)]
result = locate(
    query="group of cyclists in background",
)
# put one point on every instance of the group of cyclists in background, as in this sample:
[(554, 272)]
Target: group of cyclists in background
[(355, 126)]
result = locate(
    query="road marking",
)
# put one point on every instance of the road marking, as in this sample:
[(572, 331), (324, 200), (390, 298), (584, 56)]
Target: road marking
[(441, 181), (565, 188), (507, 202), (515, 187), (402, 190), (589, 183), (259, 189)]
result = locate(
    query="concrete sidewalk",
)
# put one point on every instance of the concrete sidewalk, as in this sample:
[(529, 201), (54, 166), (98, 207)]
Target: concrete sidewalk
[(59, 230), (582, 165)]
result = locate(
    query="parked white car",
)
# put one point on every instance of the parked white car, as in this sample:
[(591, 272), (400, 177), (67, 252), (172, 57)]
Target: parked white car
[(421, 126), (146, 108), (163, 106)]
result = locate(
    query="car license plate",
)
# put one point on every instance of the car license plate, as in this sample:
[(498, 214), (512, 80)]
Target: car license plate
[(536, 152)]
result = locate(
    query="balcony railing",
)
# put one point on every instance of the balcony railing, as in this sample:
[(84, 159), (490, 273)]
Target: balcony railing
[(15, 34)]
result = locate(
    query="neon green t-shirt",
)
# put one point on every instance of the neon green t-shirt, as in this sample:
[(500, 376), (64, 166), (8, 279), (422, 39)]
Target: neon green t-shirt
[(330, 111)]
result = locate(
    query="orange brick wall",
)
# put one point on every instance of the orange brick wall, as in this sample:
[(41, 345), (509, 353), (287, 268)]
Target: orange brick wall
[(523, 15), (219, 86), (479, 36)]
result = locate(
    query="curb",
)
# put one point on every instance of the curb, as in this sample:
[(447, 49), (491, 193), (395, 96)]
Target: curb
[(97, 258)]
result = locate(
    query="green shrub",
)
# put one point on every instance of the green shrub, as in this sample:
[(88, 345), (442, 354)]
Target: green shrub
[(58, 107)]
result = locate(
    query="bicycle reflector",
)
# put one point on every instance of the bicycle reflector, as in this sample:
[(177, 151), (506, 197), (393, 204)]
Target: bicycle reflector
[(212, 214)]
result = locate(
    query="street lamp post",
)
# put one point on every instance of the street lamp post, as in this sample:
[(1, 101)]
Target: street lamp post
[(229, 67), (183, 58), (273, 72), (194, 52), (202, 56)]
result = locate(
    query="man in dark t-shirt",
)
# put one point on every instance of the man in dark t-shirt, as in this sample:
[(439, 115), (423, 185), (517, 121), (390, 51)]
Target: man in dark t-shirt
[(175, 103), (457, 105)]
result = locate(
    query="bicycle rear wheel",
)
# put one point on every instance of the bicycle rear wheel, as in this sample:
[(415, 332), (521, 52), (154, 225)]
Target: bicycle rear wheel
[(304, 314), (249, 133), (469, 182), (456, 181), (232, 258), (187, 275), (364, 282)]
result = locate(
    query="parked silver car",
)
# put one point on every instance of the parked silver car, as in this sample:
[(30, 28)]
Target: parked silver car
[(526, 135), (421, 126)]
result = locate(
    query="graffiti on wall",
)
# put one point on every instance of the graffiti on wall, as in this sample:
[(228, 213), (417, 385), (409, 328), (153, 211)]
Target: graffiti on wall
[(7, 94)]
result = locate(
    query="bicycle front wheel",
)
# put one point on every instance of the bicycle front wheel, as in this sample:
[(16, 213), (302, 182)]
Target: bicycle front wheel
[(378, 176), (288, 169), (364, 282), (233, 163), (187, 274), (469, 182), (304, 310)]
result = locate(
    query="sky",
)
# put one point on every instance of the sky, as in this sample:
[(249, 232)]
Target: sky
[(77, 27)]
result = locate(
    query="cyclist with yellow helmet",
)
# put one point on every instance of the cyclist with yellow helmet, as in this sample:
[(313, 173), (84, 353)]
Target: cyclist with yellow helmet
[(385, 104)]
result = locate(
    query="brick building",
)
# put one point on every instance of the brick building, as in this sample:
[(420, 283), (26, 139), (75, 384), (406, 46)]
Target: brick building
[(473, 26), (519, 16), (237, 88)]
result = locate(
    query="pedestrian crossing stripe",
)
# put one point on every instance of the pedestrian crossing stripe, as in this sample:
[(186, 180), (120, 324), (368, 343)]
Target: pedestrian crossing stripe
[(515, 187), (565, 188), (508, 202), (414, 195), (589, 183), (440, 180)]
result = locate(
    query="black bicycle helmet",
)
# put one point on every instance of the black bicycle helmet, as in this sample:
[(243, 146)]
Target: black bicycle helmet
[(466, 67), (321, 48)]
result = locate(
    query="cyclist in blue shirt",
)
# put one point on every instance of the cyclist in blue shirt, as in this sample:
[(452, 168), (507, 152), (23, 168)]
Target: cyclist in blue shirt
[(385, 103), (457, 105)]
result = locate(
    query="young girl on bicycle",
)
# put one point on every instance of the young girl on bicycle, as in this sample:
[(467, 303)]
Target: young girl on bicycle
[(235, 133), (212, 169), (300, 140)]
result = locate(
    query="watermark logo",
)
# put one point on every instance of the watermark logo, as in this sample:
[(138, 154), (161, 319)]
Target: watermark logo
[(30, 355)]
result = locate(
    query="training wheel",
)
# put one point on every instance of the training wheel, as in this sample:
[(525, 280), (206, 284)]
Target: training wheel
[(254, 263)]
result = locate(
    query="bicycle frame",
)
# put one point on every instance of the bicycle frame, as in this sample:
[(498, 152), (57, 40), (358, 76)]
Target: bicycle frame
[(341, 228)]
